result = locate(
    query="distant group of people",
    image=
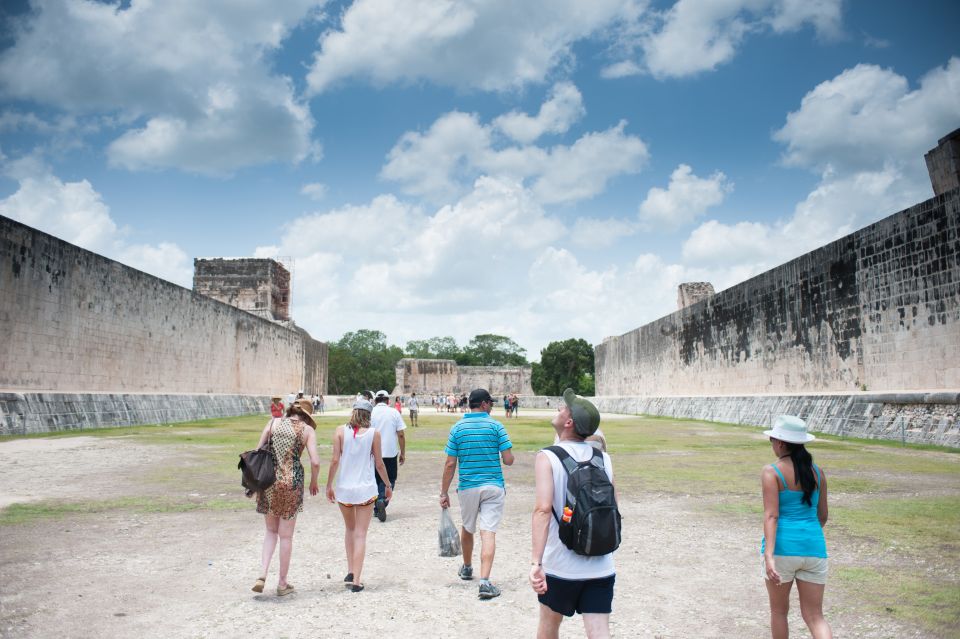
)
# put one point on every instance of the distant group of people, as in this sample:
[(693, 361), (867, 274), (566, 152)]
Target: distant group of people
[(277, 406), (511, 405), (370, 447)]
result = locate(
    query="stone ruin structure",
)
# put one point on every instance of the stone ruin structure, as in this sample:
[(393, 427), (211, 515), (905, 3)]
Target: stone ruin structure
[(443, 376), (90, 342), (859, 334), (689, 293)]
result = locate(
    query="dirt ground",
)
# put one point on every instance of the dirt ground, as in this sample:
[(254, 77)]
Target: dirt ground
[(136, 573)]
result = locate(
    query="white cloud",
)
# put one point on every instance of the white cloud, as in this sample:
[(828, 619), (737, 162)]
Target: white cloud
[(491, 45), (867, 116), (686, 198), (694, 36), (193, 74), (76, 212), (457, 149), (314, 190), (564, 107)]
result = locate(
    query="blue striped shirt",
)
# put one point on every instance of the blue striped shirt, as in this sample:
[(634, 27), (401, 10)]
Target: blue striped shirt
[(476, 441)]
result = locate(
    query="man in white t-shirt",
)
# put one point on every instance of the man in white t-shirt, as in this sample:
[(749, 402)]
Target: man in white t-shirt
[(389, 423), (564, 581), (414, 406)]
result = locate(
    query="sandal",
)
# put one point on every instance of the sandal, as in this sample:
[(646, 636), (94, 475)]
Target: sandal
[(356, 587), (286, 590), (261, 582)]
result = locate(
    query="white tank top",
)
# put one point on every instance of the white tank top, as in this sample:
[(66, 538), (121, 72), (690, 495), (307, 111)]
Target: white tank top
[(355, 480), (558, 560)]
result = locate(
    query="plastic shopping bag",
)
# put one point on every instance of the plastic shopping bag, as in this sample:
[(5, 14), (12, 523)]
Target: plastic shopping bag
[(449, 537)]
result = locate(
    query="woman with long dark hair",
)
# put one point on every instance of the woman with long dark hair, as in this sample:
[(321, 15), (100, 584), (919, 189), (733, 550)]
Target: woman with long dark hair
[(356, 452), (281, 502), (794, 514)]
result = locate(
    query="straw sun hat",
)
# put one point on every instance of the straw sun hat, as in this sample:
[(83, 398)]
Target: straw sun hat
[(791, 429)]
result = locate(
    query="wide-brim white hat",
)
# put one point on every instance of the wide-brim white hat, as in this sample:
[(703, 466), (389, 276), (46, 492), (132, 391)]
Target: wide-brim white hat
[(790, 429)]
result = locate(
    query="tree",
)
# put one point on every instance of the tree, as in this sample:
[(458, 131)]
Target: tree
[(493, 350), (362, 360), (433, 348), (566, 364)]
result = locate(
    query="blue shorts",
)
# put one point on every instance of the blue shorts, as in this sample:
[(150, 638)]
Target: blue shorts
[(567, 596)]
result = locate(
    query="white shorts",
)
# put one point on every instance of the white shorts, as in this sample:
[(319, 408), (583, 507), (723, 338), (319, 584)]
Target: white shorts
[(482, 505), (810, 569)]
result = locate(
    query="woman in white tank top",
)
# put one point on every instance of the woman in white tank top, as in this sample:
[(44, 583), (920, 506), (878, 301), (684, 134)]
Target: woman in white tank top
[(356, 452)]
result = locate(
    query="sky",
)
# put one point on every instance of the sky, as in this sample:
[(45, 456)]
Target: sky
[(539, 170)]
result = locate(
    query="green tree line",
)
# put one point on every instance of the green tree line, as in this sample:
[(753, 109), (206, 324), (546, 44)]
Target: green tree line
[(363, 359)]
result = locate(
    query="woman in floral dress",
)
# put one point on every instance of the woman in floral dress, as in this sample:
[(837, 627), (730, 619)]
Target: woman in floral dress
[(284, 499)]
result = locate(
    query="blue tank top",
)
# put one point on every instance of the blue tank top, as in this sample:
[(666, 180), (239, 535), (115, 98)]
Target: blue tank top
[(799, 533)]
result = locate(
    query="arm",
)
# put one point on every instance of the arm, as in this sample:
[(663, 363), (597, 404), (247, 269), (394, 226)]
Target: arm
[(771, 514), (822, 505), (403, 447), (381, 467), (507, 457), (265, 435), (542, 512), (314, 460), (334, 462), (506, 452), (449, 468)]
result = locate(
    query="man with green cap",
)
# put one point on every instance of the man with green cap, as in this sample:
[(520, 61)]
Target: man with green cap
[(565, 581)]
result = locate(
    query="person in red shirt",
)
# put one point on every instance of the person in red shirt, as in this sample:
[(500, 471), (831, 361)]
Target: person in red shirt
[(398, 405), (276, 407)]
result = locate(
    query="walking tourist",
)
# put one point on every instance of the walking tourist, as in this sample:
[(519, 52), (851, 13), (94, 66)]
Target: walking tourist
[(478, 444), (356, 453), (398, 405), (414, 407), (567, 582), (506, 406), (389, 423), (794, 514), (281, 502)]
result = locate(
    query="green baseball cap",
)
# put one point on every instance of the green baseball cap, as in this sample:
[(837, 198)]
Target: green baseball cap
[(586, 417)]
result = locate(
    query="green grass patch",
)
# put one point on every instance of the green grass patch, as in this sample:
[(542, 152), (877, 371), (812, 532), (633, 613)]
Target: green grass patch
[(53, 509), (913, 522), (932, 604)]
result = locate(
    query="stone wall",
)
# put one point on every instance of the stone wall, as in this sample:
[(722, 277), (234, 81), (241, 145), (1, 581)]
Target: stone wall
[(943, 163), (876, 310), (74, 321), (258, 286), (433, 376), (28, 413)]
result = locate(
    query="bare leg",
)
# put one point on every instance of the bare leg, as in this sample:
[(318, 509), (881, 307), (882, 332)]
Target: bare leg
[(349, 524), (466, 542), (779, 607), (363, 516), (811, 609), (596, 625), (285, 531), (269, 543), (549, 626), (488, 548)]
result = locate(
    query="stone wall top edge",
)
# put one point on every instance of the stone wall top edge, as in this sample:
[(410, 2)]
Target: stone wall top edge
[(694, 308)]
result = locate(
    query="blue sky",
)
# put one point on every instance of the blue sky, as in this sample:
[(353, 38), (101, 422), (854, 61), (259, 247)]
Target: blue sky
[(537, 170)]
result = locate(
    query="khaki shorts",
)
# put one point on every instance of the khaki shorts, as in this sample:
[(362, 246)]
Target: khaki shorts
[(482, 505), (810, 569)]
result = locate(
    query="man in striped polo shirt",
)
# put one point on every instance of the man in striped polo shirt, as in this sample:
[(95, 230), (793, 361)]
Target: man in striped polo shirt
[(478, 444)]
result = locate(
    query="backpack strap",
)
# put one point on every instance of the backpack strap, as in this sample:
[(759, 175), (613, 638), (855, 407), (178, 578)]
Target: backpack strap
[(569, 465), (597, 459)]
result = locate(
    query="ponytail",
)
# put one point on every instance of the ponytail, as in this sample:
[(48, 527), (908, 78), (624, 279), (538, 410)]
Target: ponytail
[(359, 419), (803, 470)]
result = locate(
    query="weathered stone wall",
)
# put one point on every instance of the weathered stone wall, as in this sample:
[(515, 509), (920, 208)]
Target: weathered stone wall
[(74, 321), (258, 286), (878, 309), (28, 413), (433, 376), (943, 164)]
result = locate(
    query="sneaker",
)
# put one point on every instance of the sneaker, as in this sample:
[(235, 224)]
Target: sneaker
[(465, 572), (488, 591), (380, 510)]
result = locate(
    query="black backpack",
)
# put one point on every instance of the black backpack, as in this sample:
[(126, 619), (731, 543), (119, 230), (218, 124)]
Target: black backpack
[(593, 527)]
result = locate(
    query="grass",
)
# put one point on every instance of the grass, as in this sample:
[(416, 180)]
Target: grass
[(929, 603), (31, 512)]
